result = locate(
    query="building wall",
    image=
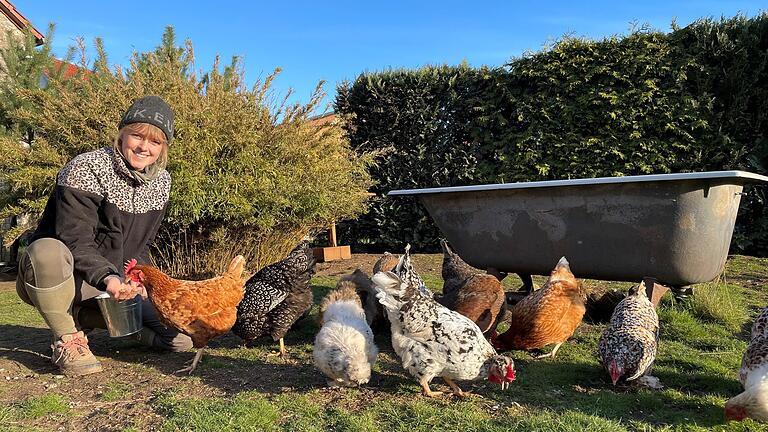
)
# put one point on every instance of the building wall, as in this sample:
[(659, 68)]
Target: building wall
[(6, 25), (7, 255)]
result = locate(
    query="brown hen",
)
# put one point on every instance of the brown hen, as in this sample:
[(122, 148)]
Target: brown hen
[(200, 309), (471, 292), (549, 315)]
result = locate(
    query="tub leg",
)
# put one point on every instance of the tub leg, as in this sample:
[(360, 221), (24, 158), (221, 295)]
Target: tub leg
[(682, 292), (496, 273), (654, 290), (527, 283)]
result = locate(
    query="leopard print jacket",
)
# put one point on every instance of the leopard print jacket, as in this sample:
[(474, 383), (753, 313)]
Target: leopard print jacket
[(103, 215)]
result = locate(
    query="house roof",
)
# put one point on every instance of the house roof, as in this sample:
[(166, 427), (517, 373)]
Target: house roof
[(322, 119), (69, 69), (21, 22)]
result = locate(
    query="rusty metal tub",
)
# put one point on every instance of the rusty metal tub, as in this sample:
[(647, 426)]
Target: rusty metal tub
[(676, 228)]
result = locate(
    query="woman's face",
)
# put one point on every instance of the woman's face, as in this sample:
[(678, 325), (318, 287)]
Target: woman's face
[(140, 150)]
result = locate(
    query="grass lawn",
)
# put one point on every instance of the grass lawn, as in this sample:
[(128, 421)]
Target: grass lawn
[(238, 388)]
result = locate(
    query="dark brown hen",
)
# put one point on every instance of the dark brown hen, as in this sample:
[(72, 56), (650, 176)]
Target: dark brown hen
[(276, 297), (471, 292)]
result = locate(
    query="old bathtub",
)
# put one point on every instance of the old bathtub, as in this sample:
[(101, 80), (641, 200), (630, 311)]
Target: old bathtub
[(675, 228)]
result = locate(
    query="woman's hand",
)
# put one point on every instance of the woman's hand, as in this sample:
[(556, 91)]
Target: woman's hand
[(120, 290)]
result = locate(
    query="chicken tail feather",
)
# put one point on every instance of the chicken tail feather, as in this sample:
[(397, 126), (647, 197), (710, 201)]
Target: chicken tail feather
[(387, 282)]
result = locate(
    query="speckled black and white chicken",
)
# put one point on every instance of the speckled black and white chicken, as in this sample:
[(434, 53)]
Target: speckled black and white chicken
[(629, 344), (434, 341), (753, 401), (276, 297), (407, 273), (471, 292)]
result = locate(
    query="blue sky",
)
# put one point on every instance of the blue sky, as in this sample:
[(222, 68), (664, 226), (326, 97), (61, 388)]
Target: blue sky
[(337, 40)]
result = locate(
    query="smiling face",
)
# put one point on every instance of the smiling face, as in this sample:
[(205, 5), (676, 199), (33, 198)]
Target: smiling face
[(142, 145)]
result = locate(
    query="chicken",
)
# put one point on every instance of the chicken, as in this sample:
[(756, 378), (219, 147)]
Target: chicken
[(628, 345), (200, 309), (276, 297), (374, 313), (753, 401), (386, 262), (434, 341), (549, 315), (471, 292), (344, 349), (454, 271), (405, 271)]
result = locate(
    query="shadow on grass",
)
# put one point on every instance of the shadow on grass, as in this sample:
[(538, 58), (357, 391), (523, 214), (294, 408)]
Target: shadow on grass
[(557, 386), (28, 346), (565, 386)]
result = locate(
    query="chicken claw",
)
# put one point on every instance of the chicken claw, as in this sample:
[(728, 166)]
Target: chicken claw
[(283, 354), (426, 391), (550, 354), (456, 390), (191, 368)]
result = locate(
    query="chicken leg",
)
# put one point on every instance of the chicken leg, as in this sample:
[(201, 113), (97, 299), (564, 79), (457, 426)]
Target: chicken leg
[(426, 391), (456, 390), (282, 353), (189, 369), (552, 353)]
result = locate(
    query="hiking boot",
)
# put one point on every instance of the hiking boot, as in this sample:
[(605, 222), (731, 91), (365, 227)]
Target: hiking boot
[(73, 357)]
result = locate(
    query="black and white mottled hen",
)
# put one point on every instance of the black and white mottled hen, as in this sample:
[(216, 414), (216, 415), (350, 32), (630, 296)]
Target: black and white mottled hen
[(434, 341), (276, 297), (753, 401), (629, 344), (405, 271)]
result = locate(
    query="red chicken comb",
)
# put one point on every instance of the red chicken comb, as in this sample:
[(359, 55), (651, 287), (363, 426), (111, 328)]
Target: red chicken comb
[(510, 374), (129, 265)]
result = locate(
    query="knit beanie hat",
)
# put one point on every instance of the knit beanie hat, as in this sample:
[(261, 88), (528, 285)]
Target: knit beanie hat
[(152, 110)]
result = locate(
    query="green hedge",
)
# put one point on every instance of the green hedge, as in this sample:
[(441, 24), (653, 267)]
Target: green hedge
[(649, 102)]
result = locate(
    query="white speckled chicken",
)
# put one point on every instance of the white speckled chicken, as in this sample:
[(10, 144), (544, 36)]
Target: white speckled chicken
[(276, 296), (628, 345), (471, 292), (344, 349), (434, 341), (405, 271), (753, 401)]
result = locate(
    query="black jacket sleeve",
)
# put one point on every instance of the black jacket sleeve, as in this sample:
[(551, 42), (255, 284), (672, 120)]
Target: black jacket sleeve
[(76, 221)]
